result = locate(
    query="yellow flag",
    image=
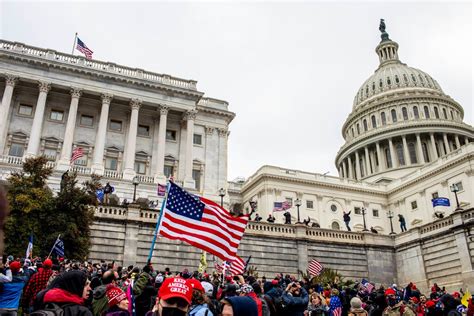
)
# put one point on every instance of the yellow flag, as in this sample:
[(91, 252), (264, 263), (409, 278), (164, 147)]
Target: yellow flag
[(465, 298), (202, 263)]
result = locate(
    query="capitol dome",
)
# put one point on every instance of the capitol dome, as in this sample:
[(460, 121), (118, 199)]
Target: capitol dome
[(401, 119)]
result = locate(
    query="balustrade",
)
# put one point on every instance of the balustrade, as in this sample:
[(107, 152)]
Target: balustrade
[(11, 160)]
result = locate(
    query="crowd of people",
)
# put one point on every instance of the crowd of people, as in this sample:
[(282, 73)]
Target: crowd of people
[(64, 287)]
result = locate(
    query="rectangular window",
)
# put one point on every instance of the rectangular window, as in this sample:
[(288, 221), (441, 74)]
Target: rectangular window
[(459, 185), (168, 171), (309, 204), (414, 205), (197, 179), (25, 109), (111, 163), (16, 150), (170, 135), (115, 125), (50, 154), (197, 139), (434, 195), (143, 130), (81, 161), (140, 167), (87, 120), (56, 115), (357, 210), (289, 200), (375, 213)]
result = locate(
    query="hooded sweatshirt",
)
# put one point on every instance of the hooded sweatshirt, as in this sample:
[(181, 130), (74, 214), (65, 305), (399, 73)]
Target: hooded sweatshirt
[(243, 306)]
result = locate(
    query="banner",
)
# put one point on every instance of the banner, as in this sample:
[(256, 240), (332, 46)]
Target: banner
[(440, 201)]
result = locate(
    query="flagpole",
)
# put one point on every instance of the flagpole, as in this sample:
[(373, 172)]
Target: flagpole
[(74, 45), (152, 247), (59, 236)]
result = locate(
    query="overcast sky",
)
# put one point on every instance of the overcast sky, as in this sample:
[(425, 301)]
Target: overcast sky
[(289, 70)]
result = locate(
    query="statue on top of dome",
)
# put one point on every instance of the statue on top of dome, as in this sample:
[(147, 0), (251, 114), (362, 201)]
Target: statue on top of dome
[(384, 35)]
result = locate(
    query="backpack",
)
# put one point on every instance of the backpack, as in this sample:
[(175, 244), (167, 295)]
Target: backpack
[(50, 309)]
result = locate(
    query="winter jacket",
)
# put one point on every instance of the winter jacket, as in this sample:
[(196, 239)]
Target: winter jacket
[(143, 291), (357, 312), (11, 292), (99, 301), (243, 306), (200, 310), (296, 305), (318, 310), (37, 283), (71, 303), (115, 311), (400, 309)]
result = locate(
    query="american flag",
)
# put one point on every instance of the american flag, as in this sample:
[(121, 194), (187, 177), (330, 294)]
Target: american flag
[(369, 286), (84, 49), (314, 267), (281, 206), (237, 266), (335, 306), (161, 191), (201, 223), (77, 153)]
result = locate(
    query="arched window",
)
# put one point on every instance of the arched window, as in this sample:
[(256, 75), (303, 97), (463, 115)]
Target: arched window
[(401, 158), (394, 115), (383, 118), (388, 81), (405, 113), (412, 152), (388, 158), (373, 86), (425, 152), (427, 112), (335, 226), (358, 129), (374, 122), (365, 125), (352, 131), (436, 112), (396, 79), (415, 112), (445, 114)]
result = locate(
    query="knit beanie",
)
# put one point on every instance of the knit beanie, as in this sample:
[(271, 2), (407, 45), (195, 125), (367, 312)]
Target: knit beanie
[(356, 303), (114, 295)]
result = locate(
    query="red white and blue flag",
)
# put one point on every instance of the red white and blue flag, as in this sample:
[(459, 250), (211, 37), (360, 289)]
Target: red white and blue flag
[(369, 286), (314, 267), (281, 206), (201, 223), (335, 306), (161, 191), (77, 153), (84, 49)]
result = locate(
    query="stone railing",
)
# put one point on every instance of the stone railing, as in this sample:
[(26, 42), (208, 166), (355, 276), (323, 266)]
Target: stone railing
[(81, 170), (149, 215), (79, 61), (112, 174), (111, 212), (145, 179), (11, 160)]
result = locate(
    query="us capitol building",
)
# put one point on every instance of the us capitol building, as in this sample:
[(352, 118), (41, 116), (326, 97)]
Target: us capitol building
[(405, 144)]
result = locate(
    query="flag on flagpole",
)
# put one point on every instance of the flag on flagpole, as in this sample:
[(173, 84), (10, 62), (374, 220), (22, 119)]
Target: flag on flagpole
[(465, 298), (59, 247), (29, 249), (201, 223), (237, 266), (77, 153), (314, 267), (281, 206), (369, 286), (84, 49), (202, 263)]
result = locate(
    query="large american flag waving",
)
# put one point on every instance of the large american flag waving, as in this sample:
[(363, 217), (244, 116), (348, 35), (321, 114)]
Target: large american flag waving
[(201, 223)]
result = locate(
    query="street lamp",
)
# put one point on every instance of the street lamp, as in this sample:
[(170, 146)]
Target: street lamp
[(222, 194), (363, 217), (135, 184), (298, 204), (390, 216), (455, 189)]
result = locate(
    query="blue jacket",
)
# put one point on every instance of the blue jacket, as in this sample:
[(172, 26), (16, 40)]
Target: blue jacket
[(200, 310), (296, 305), (10, 298)]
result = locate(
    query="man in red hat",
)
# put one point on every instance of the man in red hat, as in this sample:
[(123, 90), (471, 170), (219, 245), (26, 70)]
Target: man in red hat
[(37, 283), (396, 307), (174, 298)]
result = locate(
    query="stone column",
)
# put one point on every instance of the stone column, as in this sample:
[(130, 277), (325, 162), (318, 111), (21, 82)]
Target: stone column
[(456, 139), (433, 147), (344, 168), (367, 162), (65, 159), (351, 172), (98, 160), (405, 151), (357, 165), (189, 182), (446, 143), (392, 153), (341, 174), (211, 159), (10, 82), (222, 158), (466, 140), (160, 157), (37, 126), (421, 157), (129, 171), (379, 157), (302, 246)]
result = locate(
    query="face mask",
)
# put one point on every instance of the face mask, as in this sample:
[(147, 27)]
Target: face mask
[(392, 301), (172, 311)]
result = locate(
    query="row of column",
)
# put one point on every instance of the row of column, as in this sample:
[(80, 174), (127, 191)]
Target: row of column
[(99, 147), (354, 171)]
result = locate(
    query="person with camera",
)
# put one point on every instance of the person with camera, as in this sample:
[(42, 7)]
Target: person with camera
[(296, 299)]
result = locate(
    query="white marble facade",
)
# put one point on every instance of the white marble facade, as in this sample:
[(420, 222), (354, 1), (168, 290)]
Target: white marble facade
[(131, 123)]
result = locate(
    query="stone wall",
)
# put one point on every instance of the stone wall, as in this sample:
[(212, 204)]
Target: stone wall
[(439, 252)]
